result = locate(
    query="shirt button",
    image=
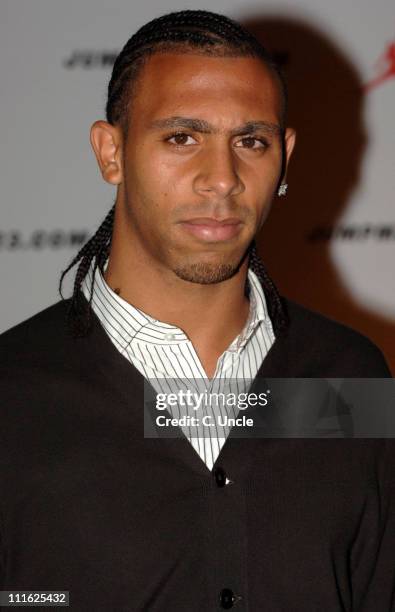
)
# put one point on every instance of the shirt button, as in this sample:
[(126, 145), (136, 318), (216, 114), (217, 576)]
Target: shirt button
[(170, 337), (220, 477), (226, 599)]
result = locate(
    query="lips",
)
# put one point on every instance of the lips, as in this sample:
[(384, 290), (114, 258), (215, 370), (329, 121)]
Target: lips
[(209, 229)]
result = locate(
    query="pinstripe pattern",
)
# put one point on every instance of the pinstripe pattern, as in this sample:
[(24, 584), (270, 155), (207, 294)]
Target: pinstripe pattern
[(165, 356)]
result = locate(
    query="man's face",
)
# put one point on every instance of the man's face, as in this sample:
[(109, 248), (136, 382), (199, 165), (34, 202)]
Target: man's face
[(201, 162)]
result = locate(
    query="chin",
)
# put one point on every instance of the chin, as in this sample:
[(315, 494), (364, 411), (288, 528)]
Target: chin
[(208, 272), (205, 274)]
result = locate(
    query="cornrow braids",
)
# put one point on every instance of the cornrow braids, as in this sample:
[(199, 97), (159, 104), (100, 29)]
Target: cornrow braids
[(275, 304), (194, 31), (98, 248)]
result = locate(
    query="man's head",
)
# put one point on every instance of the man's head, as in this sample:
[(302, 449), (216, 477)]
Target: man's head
[(195, 129)]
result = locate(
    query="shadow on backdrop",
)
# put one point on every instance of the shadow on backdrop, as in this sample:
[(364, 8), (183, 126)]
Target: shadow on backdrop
[(326, 108)]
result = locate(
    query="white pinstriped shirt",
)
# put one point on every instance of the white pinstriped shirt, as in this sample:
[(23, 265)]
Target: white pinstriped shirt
[(163, 353)]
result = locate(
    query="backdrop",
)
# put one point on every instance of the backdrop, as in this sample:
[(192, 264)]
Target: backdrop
[(330, 244)]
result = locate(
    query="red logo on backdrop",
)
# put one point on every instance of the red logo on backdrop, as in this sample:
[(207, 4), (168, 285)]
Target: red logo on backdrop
[(385, 67)]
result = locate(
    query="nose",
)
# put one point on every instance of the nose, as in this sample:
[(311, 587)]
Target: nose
[(218, 173)]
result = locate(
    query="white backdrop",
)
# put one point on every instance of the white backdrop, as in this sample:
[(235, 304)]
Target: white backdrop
[(55, 62)]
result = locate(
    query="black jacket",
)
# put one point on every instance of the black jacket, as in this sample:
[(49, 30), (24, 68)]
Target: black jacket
[(126, 523)]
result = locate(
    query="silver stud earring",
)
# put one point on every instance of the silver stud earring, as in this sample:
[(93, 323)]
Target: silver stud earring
[(282, 190)]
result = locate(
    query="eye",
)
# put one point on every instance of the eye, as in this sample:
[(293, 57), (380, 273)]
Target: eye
[(181, 139), (249, 142)]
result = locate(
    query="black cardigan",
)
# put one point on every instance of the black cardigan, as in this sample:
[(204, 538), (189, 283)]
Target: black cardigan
[(126, 523)]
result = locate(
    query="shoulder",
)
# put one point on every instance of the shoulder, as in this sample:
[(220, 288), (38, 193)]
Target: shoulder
[(43, 367), (42, 324), (39, 340), (326, 341)]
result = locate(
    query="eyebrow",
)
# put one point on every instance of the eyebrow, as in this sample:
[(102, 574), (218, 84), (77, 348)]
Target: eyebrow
[(204, 127)]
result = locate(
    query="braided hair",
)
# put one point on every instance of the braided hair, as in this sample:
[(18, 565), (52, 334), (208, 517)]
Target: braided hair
[(195, 31)]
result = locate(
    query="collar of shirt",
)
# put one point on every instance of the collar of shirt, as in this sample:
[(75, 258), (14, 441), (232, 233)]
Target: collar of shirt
[(124, 322)]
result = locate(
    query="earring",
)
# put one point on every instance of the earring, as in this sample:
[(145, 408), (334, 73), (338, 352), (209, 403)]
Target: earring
[(282, 190)]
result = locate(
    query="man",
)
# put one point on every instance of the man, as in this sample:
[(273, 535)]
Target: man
[(171, 286)]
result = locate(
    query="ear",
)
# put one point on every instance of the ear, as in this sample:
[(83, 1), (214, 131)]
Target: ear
[(289, 143), (106, 141)]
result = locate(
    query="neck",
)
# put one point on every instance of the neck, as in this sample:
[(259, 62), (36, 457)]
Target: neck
[(210, 315)]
